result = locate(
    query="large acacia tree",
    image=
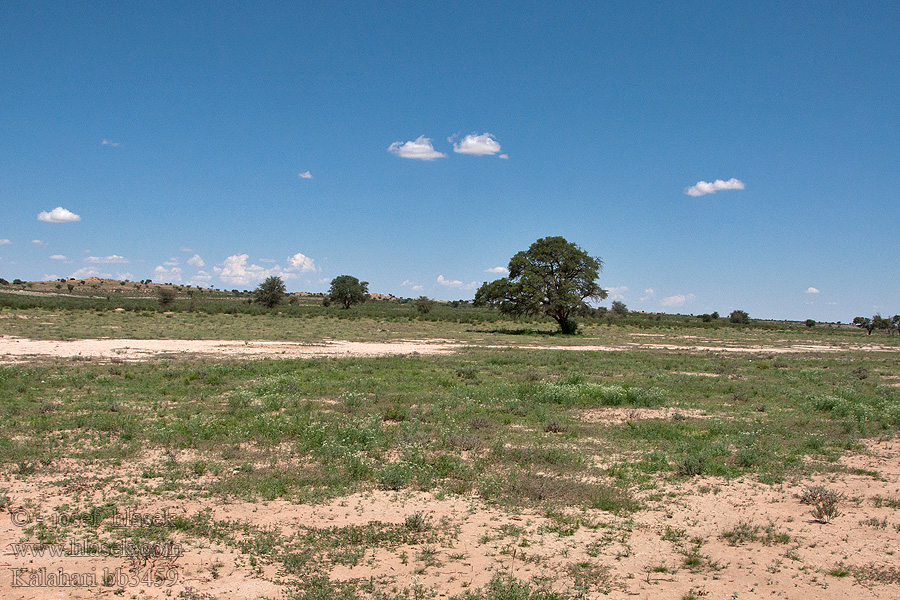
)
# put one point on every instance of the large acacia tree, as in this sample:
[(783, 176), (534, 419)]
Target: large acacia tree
[(348, 290), (553, 278), (270, 292)]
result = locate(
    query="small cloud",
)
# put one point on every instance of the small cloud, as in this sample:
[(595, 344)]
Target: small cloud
[(186, 249), (49, 277), (412, 285), (58, 215), (85, 272), (162, 274), (478, 145), (58, 257), (268, 260), (453, 283), (617, 293), (812, 290), (648, 295), (110, 143), (498, 270), (503, 156), (196, 261), (106, 260), (201, 278), (38, 242), (701, 188), (172, 262), (301, 263), (421, 149), (5, 242), (676, 300), (124, 276), (305, 175)]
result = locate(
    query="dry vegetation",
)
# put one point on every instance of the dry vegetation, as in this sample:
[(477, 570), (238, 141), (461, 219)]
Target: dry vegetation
[(690, 462)]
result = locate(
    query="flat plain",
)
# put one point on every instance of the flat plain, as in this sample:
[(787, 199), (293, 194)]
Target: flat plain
[(322, 456)]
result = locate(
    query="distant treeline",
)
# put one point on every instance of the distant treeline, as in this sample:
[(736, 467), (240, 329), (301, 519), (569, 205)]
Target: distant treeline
[(390, 309)]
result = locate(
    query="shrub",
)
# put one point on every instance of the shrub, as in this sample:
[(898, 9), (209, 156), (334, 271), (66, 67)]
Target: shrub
[(824, 502), (166, 296), (739, 317)]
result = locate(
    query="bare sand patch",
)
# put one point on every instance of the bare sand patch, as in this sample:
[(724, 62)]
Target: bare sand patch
[(616, 415), (15, 349)]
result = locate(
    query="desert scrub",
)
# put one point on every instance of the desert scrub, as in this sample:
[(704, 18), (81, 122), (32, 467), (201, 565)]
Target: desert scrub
[(586, 395), (824, 502)]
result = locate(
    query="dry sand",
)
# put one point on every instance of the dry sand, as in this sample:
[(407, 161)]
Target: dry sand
[(638, 557), (17, 349)]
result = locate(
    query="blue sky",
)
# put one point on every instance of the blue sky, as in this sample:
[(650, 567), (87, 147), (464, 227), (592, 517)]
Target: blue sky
[(418, 145)]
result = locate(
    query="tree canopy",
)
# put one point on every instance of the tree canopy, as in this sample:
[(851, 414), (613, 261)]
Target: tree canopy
[(348, 290), (553, 278), (270, 292)]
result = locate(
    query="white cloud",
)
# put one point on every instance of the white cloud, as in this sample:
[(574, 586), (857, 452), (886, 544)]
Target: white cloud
[(58, 257), (186, 249), (110, 143), (50, 277), (676, 300), (268, 260), (172, 262), (812, 290), (305, 175), (498, 270), (162, 274), (412, 285), (617, 293), (38, 242), (421, 149), (236, 271), (85, 272), (124, 276), (456, 283), (648, 295), (701, 188), (201, 278), (478, 145), (58, 215), (4, 242), (107, 260), (301, 263), (196, 261)]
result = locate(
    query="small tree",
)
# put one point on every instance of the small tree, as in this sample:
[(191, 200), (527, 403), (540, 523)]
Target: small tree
[(165, 296), (739, 317), (880, 322), (552, 278), (424, 304), (864, 323), (619, 309), (810, 323), (270, 292), (348, 290)]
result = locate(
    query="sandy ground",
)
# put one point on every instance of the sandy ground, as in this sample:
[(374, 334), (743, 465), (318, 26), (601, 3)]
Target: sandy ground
[(16, 349), (605, 556), (646, 555)]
